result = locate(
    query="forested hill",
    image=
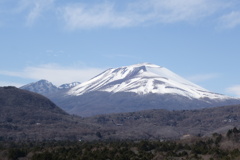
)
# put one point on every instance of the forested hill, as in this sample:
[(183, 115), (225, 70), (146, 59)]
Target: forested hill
[(25, 115)]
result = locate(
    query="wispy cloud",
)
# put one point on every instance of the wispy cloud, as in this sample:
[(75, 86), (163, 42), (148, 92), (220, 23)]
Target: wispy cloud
[(234, 90), (55, 73), (95, 14), (230, 20), (170, 11), (35, 9), (203, 77), (91, 16), (80, 16)]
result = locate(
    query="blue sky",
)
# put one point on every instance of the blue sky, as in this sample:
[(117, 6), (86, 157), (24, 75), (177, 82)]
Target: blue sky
[(65, 41)]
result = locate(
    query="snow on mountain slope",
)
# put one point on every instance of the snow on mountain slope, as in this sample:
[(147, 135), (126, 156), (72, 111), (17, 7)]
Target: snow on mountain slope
[(45, 87), (42, 87), (143, 79), (69, 85)]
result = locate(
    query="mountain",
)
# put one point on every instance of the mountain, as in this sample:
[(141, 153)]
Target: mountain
[(143, 79), (46, 88), (56, 94), (139, 87), (133, 88), (41, 87), (26, 115)]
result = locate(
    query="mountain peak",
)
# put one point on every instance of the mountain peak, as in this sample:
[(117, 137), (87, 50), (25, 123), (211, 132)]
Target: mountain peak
[(46, 88), (42, 86), (44, 81)]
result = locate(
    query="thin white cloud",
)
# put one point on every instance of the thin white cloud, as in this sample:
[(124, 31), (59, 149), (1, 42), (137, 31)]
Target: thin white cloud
[(170, 11), (97, 15), (108, 14), (55, 73), (234, 90), (35, 8), (230, 20), (203, 77), (79, 16)]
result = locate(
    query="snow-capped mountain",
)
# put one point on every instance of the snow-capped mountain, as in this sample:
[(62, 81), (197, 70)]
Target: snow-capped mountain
[(46, 88), (69, 85), (143, 79), (41, 87), (129, 89), (140, 87)]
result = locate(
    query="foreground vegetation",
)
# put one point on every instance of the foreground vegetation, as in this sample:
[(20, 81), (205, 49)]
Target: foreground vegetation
[(220, 147)]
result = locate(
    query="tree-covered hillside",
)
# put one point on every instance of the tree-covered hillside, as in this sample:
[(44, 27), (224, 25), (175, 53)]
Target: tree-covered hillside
[(216, 147)]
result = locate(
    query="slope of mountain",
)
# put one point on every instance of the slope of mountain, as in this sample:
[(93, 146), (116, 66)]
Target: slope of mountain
[(164, 124), (26, 115), (69, 85)]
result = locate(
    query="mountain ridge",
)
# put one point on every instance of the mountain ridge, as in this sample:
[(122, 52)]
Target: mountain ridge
[(45, 87)]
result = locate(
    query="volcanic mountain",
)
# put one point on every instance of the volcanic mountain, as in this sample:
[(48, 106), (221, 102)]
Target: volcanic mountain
[(143, 79), (135, 88), (140, 87)]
